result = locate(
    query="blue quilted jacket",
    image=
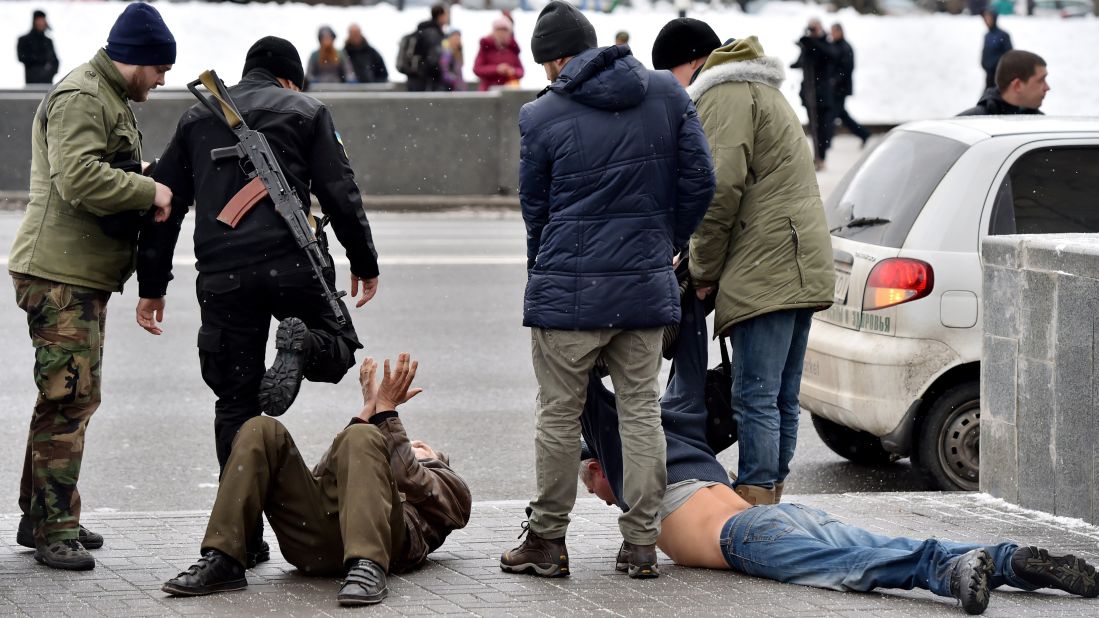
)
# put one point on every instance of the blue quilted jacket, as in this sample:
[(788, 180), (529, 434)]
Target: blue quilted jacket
[(614, 177)]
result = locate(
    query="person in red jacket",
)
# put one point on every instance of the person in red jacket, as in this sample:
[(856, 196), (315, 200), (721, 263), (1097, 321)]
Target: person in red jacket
[(497, 61)]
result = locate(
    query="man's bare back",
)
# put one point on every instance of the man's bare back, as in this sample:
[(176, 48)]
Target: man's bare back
[(691, 535)]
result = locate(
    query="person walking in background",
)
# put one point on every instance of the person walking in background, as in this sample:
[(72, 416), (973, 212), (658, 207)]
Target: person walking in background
[(843, 86), (451, 61), (71, 253), (366, 62), (327, 65), (622, 38), (817, 62), (763, 248), (497, 62), (1020, 87), (997, 43), (425, 71), (612, 154), (35, 51)]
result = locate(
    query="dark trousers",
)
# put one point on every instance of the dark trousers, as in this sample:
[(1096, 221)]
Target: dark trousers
[(236, 309), (825, 127), (349, 509), (856, 129)]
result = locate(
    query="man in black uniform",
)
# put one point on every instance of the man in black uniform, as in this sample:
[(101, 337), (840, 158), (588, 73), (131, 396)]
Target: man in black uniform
[(256, 270), (35, 51)]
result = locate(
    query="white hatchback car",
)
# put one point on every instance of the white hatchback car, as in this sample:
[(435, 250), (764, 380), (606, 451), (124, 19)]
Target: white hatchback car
[(893, 368)]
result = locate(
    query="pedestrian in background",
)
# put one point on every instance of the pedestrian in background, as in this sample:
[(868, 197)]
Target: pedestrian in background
[(844, 83), (1020, 87), (426, 72), (763, 248), (817, 63), (497, 62), (614, 176), (622, 38), (997, 43), (451, 61), (366, 62), (66, 261), (328, 65), (35, 51)]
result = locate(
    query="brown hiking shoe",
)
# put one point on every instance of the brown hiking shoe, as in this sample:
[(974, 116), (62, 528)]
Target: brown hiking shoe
[(756, 495), (637, 561), (537, 556), (68, 554)]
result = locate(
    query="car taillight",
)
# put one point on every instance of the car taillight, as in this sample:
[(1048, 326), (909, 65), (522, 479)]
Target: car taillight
[(897, 280)]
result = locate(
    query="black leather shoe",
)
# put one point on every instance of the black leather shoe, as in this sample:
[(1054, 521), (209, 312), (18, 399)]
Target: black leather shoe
[(25, 535), (365, 584), (214, 572), (969, 580), (263, 554), (282, 381)]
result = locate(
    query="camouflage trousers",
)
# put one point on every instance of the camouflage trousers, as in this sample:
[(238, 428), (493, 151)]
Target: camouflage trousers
[(66, 327)]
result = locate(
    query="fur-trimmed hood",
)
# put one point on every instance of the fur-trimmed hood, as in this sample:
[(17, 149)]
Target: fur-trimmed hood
[(739, 61)]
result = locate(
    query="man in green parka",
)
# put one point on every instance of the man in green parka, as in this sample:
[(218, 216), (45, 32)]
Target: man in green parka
[(763, 247), (75, 247)]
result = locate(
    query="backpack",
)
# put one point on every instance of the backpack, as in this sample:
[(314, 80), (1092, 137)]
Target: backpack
[(408, 61)]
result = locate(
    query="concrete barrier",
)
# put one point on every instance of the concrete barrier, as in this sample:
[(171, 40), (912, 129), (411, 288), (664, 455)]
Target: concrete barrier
[(435, 144), (1039, 378)]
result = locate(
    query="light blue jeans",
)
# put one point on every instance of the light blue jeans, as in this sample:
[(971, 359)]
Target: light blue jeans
[(797, 544), (768, 354)]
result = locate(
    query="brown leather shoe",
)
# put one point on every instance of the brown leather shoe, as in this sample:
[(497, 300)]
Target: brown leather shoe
[(779, 486), (756, 495), (637, 561), (537, 556)]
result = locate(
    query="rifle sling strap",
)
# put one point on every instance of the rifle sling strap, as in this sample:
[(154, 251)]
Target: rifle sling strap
[(243, 202)]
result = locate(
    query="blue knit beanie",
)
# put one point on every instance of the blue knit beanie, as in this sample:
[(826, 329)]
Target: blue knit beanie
[(140, 37)]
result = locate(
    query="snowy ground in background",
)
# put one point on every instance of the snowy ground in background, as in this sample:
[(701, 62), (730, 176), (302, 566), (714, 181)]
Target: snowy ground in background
[(909, 67)]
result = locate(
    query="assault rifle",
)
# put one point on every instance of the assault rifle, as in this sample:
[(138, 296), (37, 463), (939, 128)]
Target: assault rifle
[(267, 181)]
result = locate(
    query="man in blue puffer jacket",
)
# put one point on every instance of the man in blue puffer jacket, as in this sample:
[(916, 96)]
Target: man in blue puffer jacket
[(615, 176)]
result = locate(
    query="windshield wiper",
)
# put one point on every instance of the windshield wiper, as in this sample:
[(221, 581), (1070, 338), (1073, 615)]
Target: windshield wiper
[(861, 222)]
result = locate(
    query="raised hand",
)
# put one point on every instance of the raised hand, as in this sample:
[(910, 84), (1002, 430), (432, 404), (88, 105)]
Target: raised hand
[(396, 384), (368, 380)]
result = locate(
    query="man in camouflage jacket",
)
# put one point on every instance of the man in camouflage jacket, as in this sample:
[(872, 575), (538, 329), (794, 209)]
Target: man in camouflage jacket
[(70, 253)]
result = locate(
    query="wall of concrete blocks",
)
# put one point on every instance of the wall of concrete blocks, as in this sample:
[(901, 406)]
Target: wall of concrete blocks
[(1039, 384), (438, 144)]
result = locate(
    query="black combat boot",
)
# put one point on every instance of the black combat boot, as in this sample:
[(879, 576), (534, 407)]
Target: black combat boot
[(69, 555), (637, 561), (364, 585), (25, 535), (280, 384), (214, 572), (969, 580), (1038, 567)]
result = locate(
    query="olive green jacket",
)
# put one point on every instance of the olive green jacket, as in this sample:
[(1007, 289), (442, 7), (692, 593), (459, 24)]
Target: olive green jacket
[(80, 128), (764, 239)]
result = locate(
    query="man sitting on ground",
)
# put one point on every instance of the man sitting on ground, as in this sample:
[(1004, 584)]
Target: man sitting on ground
[(375, 502), (706, 524)]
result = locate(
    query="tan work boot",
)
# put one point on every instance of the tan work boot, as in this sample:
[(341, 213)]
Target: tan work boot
[(537, 556), (756, 495)]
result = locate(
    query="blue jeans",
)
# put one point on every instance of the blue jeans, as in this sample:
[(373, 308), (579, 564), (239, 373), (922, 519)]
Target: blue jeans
[(768, 354), (797, 544)]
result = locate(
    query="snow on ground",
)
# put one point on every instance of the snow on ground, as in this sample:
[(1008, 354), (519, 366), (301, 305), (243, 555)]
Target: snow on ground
[(910, 67)]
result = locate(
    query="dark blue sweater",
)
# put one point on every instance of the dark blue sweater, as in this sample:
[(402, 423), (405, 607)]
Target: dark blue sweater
[(682, 413)]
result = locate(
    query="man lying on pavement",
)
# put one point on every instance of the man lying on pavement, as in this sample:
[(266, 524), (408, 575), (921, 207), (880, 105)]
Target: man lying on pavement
[(375, 503), (706, 524)]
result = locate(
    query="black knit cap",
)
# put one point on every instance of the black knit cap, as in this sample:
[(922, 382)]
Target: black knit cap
[(140, 37), (561, 31), (681, 41), (278, 56)]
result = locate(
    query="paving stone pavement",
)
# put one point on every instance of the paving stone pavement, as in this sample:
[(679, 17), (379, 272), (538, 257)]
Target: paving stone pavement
[(463, 578)]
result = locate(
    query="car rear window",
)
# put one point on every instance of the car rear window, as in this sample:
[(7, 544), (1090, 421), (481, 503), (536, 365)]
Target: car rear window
[(879, 199)]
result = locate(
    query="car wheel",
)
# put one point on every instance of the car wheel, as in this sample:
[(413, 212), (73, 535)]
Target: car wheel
[(857, 446), (949, 440)]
